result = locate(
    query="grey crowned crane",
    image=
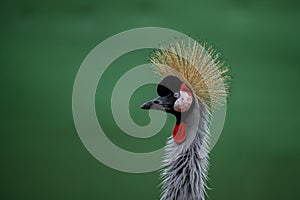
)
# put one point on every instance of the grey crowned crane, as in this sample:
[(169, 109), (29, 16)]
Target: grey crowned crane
[(194, 81)]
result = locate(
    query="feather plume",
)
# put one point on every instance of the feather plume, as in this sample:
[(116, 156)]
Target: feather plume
[(197, 64)]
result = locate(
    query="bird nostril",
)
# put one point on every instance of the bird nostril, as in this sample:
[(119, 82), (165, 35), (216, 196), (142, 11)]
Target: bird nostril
[(156, 102)]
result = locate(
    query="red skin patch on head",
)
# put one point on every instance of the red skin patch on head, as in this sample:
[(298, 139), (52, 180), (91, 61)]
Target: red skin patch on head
[(184, 88), (179, 133)]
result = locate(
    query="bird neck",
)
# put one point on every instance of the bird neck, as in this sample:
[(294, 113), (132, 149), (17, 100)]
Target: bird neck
[(186, 164)]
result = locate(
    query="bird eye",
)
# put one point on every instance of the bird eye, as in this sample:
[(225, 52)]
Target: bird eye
[(176, 95)]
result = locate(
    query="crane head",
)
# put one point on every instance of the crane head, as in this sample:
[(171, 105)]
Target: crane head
[(174, 97)]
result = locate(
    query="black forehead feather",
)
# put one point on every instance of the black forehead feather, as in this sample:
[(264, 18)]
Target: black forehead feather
[(169, 84)]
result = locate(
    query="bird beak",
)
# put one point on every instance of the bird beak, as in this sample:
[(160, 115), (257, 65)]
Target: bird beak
[(156, 104)]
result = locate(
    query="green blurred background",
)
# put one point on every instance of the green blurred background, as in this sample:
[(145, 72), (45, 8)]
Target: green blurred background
[(43, 44)]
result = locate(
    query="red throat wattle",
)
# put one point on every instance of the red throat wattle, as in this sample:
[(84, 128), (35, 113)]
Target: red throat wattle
[(179, 133)]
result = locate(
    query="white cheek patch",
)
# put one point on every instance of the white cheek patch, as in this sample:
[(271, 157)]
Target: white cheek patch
[(184, 102)]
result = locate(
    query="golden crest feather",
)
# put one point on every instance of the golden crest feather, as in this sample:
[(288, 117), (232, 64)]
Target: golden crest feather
[(198, 65)]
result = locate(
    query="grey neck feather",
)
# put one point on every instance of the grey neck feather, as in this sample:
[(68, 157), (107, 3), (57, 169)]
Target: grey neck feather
[(185, 165)]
